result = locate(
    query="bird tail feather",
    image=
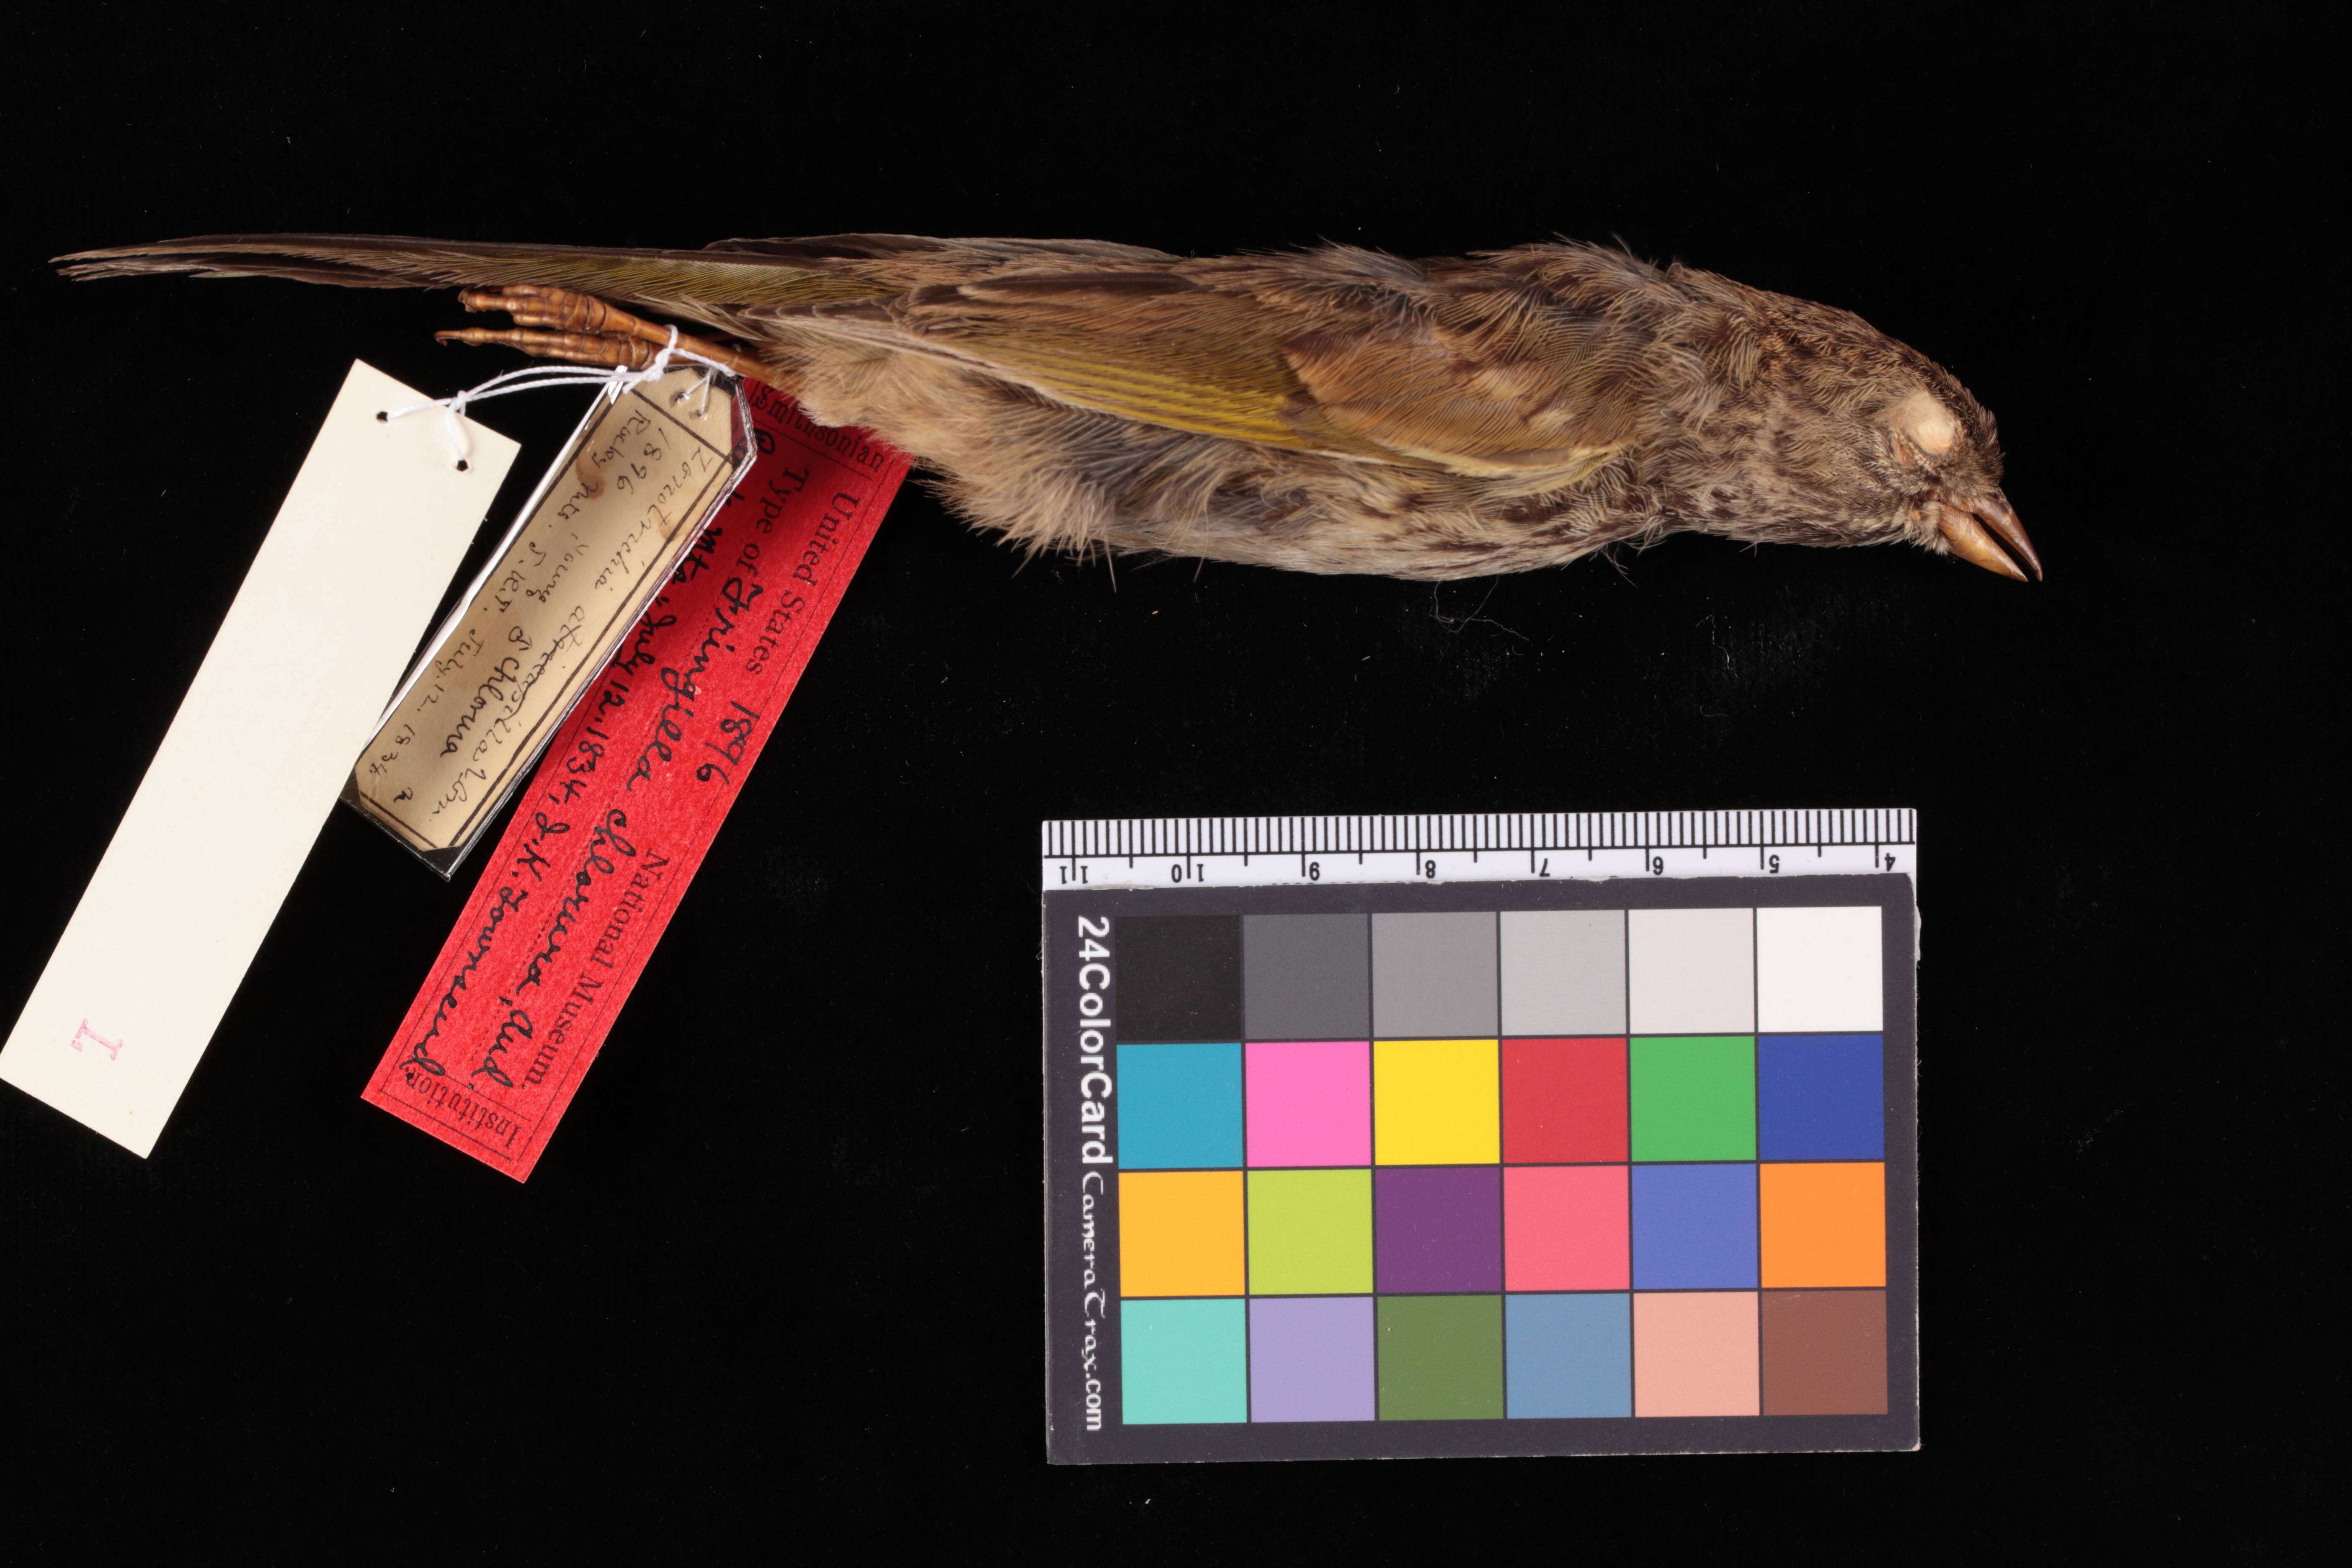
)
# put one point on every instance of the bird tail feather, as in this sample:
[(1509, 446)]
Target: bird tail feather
[(714, 287)]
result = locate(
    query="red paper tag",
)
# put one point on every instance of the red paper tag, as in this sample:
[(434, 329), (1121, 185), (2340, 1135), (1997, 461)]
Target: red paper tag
[(608, 833)]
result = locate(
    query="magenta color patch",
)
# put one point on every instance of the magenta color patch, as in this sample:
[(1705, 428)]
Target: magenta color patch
[(1310, 1102)]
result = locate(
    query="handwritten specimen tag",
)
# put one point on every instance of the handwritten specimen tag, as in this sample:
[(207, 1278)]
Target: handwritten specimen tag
[(613, 825), (606, 527), (375, 526)]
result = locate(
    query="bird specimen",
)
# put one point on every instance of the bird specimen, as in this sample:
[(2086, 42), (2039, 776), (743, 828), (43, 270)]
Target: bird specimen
[(1329, 410)]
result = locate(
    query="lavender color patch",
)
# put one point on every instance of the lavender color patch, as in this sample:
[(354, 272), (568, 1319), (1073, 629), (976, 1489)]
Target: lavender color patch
[(1311, 1358)]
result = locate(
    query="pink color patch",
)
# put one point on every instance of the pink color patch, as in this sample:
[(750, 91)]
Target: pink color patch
[(1310, 1102), (1564, 1227)]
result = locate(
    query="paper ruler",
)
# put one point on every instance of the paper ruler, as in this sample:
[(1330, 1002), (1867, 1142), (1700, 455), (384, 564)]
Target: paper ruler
[(1269, 851)]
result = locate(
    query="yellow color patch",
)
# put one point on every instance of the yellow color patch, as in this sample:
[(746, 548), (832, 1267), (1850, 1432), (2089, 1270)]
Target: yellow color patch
[(1180, 1233), (1434, 1103)]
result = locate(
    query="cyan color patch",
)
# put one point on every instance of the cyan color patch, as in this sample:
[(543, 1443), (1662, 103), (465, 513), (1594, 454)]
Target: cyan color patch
[(1179, 1107), (1821, 1097), (1570, 1356), (1183, 1362)]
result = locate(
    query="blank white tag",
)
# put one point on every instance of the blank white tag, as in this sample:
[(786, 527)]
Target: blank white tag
[(292, 686)]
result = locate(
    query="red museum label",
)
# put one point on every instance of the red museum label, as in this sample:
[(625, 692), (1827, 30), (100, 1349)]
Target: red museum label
[(612, 828)]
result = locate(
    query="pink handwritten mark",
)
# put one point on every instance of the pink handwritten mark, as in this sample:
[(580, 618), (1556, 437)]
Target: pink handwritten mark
[(114, 1047)]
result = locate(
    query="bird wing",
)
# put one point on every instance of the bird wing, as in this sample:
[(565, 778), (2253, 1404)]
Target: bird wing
[(1457, 366), (1340, 351)]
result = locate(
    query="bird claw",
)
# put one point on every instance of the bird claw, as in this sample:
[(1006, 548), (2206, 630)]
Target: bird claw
[(579, 329), (571, 348), (561, 311)]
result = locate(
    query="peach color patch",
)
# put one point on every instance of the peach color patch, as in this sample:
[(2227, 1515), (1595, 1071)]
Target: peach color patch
[(1694, 1353)]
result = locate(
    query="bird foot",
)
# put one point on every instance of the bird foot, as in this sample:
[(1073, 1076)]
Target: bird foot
[(579, 329)]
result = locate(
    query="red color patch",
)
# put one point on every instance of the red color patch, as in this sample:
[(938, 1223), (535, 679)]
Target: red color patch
[(1563, 1101)]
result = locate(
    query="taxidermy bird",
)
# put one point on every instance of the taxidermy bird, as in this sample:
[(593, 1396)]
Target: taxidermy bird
[(1331, 410)]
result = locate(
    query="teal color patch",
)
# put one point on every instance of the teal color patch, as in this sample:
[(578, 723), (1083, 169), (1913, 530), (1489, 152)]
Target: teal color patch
[(1183, 1362)]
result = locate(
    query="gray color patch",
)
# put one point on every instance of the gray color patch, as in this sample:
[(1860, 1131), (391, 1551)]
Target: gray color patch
[(1433, 976), (1563, 972), (1305, 977), (1691, 972)]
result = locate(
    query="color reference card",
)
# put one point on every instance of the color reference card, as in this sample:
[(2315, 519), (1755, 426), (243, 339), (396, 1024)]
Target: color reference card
[(1548, 1167)]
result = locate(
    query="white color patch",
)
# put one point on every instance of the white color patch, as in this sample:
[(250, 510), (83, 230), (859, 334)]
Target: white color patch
[(1690, 971), (1818, 970), (293, 684)]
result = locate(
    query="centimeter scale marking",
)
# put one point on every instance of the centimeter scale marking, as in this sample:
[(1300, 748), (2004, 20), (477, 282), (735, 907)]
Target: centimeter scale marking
[(1272, 851)]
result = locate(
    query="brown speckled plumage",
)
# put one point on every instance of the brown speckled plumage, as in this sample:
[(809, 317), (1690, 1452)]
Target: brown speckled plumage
[(1333, 410)]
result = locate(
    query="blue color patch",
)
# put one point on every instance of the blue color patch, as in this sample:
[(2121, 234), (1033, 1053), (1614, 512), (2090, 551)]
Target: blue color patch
[(1179, 1107), (1570, 1356), (1694, 1228), (1183, 1361), (1821, 1097)]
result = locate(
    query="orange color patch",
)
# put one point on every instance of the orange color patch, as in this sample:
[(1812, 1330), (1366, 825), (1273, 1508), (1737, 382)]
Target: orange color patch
[(1823, 1225), (1180, 1233)]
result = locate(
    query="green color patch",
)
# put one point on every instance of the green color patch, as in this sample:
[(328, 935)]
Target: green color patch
[(1441, 1358), (1310, 1233), (1693, 1097)]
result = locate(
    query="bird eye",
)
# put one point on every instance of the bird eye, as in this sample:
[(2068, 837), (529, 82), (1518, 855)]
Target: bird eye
[(1928, 424)]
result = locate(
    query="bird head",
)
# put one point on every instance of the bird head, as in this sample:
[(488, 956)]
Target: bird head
[(1833, 433), (1934, 465)]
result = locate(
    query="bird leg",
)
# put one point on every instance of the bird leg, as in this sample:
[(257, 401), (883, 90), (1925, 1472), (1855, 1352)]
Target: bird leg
[(579, 329)]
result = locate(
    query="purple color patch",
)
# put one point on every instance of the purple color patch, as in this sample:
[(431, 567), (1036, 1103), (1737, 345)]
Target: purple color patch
[(1310, 1358), (1438, 1227)]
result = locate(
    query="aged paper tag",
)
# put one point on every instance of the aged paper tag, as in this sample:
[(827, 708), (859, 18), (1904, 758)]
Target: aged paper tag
[(616, 822), (604, 530), (375, 526)]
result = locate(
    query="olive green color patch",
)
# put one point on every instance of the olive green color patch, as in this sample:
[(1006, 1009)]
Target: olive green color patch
[(1441, 1358), (1310, 1233)]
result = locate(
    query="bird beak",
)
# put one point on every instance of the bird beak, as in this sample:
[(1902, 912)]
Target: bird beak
[(1970, 531)]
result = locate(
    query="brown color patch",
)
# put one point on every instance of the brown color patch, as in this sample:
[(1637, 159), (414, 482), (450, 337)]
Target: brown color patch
[(1824, 1352)]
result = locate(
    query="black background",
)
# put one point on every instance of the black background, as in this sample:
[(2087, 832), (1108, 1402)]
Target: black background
[(776, 1279)]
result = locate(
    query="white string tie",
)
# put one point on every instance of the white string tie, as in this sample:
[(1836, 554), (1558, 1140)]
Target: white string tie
[(614, 384)]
